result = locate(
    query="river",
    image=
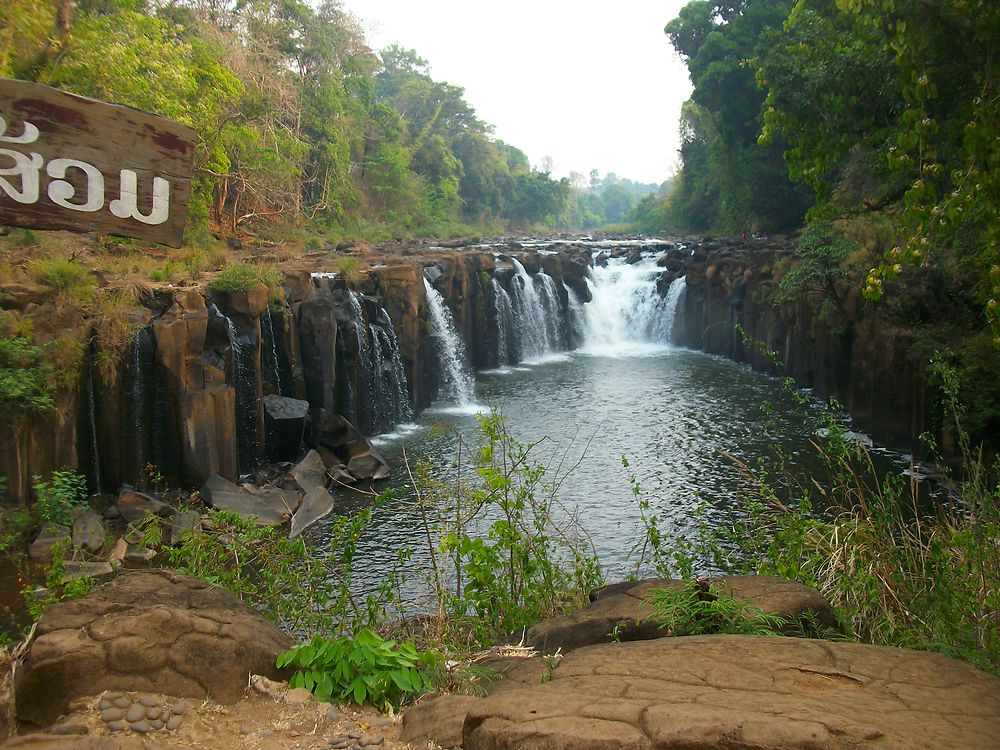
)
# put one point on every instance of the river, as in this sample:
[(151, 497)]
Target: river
[(683, 419)]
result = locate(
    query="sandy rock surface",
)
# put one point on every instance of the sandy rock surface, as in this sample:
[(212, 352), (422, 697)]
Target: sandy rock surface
[(279, 720)]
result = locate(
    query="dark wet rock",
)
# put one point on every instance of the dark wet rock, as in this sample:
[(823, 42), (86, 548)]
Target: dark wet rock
[(88, 532), (284, 426), (270, 506), (316, 504), (183, 525), (76, 569), (134, 506), (50, 535), (145, 631), (310, 472)]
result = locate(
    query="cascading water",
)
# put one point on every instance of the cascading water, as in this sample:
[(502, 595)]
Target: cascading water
[(268, 319), (92, 414), (244, 381), (458, 384), (530, 314), (504, 312), (626, 311), (140, 403)]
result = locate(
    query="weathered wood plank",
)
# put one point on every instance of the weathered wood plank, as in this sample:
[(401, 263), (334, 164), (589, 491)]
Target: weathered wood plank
[(69, 162)]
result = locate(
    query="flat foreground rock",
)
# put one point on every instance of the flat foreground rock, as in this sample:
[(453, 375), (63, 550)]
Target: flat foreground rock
[(145, 631), (705, 692)]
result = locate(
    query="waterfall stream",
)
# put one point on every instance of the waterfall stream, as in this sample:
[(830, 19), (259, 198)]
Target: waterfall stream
[(268, 318), (457, 381), (627, 313)]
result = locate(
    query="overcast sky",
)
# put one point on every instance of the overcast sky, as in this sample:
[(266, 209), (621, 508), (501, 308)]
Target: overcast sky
[(593, 85)]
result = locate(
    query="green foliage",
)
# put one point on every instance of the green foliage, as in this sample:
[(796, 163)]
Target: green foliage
[(24, 387), (360, 668), (729, 181), (57, 588), (299, 590), (822, 253), (697, 609), (56, 498), (71, 283), (506, 558), (245, 277)]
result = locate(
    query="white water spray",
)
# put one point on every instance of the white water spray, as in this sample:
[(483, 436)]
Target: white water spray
[(627, 313), (458, 382)]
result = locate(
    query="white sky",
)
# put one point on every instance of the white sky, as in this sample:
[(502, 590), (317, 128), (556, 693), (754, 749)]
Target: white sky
[(593, 85)]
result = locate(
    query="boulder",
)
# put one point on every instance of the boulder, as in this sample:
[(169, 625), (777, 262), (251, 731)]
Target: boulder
[(727, 691), (88, 532), (76, 569), (154, 631), (134, 506), (50, 535), (270, 506), (621, 608), (284, 426), (438, 720), (316, 504), (184, 524), (310, 472), (368, 464)]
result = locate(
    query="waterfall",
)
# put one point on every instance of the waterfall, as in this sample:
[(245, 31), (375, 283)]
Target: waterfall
[(243, 379), (531, 313), (626, 311), (92, 414), (274, 352), (140, 404), (366, 405), (575, 319), (506, 344), (398, 390), (457, 381), (671, 303)]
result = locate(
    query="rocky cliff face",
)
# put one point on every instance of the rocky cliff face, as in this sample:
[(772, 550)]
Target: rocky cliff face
[(210, 382), (857, 355), (224, 383)]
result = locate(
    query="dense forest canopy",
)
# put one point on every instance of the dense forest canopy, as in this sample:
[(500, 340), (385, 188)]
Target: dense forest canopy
[(297, 118), (881, 114)]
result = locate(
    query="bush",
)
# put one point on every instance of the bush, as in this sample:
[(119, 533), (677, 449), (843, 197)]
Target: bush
[(243, 277), (71, 283), (24, 387), (700, 609), (503, 561), (56, 498), (361, 668)]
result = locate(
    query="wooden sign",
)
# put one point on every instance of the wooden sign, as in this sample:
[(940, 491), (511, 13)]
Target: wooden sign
[(68, 162)]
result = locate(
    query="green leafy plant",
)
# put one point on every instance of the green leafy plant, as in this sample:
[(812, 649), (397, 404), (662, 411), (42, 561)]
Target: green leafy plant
[(360, 668), (503, 561), (56, 498), (71, 283), (701, 609), (243, 277), (304, 591), (24, 387)]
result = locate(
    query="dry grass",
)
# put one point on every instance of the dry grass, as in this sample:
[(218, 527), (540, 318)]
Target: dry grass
[(115, 330)]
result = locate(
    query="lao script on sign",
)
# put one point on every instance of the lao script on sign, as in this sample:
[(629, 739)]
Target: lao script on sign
[(68, 162)]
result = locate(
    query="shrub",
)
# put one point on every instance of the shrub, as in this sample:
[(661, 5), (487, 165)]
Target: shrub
[(242, 277), (504, 561), (71, 283), (698, 609), (56, 498), (360, 668), (24, 387)]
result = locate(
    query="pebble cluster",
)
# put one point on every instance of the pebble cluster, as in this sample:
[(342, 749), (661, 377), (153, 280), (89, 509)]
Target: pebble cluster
[(142, 715), (355, 741)]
